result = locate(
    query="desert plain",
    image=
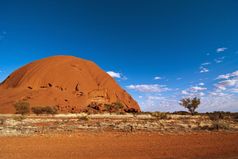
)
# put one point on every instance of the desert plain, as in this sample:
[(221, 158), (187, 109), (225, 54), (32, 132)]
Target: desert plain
[(129, 136)]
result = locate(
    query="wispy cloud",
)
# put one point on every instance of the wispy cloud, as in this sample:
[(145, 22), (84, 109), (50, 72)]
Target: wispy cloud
[(148, 88), (203, 69), (201, 84), (221, 49), (219, 60), (197, 88), (194, 91), (219, 102), (227, 82), (3, 35), (160, 103), (228, 75), (205, 63), (157, 78)]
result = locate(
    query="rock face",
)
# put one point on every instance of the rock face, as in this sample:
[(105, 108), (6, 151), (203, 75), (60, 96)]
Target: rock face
[(69, 83)]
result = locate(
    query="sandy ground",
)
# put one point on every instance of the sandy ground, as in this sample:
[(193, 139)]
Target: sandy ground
[(109, 145)]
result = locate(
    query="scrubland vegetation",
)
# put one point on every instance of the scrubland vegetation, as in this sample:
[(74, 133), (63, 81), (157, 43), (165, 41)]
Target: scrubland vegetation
[(114, 117)]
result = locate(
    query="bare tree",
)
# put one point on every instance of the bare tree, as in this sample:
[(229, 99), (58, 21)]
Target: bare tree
[(190, 103)]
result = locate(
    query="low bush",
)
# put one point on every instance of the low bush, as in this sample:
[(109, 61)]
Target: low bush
[(118, 106), (181, 113), (2, 121), (160, 115), (114, 107), (44, 110), (83, 118), (131, 110), (22, 107), (19, 118), (217, 125), (94, 106), (216, 115)]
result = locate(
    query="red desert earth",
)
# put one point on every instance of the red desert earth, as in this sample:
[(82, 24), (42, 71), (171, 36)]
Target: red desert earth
[(67, 82), (121, 146)]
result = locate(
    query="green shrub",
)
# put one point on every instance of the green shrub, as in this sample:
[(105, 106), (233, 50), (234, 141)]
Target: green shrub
[(22, 107), (44, 110)]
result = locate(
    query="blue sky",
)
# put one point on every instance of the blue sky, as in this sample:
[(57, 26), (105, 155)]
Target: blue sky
[(188, 45)]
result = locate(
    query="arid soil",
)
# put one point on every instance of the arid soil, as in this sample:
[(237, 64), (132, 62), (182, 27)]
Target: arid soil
[(107, 145)]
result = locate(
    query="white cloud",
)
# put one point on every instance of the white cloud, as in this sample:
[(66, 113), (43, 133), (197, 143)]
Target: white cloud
[(217, 93), (179, 78), (157, 78), (205, 63), (225, 84), (228, 75), (114, 74), (155, 97), (219, 60), (221, 49), (219, 102), (211, 102), (228, 82), (194, 91), (223, 76), (201, 84), (140, 97), (160, 103), (152, 88), (234, 74), (184, 92), (203, 70), (234, 90), (197, 88)]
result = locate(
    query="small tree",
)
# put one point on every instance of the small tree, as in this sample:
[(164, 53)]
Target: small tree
[(190, 103), (22, 107)]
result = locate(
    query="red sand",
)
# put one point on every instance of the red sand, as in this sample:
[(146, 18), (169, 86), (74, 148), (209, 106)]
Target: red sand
[(65, 81), (121, 146)]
